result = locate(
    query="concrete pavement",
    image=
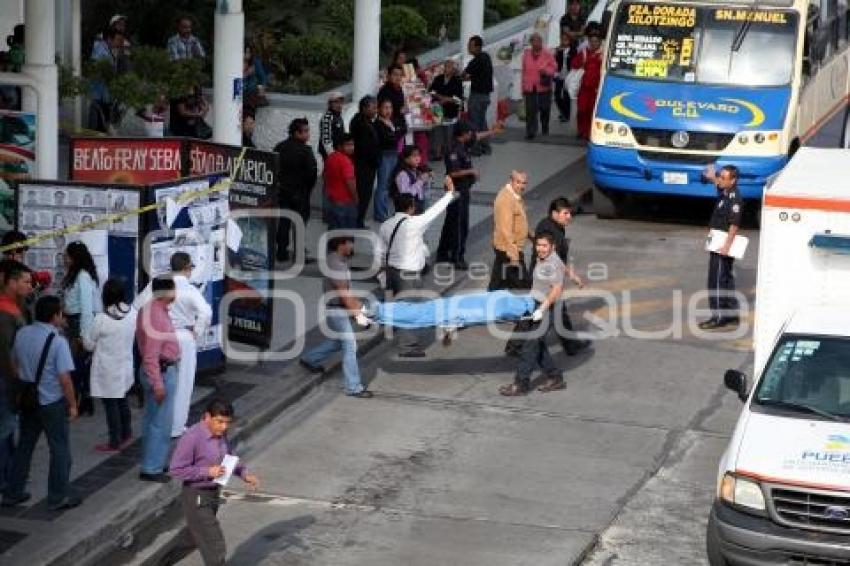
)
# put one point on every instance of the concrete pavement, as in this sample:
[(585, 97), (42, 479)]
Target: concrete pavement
[(440, 469), (119, 512)]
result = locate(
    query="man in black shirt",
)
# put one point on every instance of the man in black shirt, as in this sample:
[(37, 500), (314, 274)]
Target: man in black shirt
[(298, 170), (560, 216), (367, 154), (447, 88), (480, 72), (574, 20), (391, 90), (721, 279)]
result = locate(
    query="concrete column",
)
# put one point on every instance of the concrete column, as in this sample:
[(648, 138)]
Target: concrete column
[(367, 47), (40, 45), (76, 55), (471, 22), (229, 42), (555, 9)]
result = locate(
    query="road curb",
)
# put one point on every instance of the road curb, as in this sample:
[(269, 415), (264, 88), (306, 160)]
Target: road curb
[(125, 538)]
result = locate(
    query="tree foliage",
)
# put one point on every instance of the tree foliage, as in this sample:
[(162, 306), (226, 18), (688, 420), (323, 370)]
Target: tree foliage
[(401, 25)]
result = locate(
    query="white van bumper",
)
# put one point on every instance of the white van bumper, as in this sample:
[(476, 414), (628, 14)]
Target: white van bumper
[(747, 540)]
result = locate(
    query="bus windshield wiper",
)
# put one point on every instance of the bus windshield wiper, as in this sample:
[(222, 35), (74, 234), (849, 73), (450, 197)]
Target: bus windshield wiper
[(800, 407), (742, 31)]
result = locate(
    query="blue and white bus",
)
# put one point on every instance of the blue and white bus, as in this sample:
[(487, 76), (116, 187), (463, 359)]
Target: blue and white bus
[(692, 83)]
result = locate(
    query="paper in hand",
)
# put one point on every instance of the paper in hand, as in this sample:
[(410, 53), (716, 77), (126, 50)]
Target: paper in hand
[(229, 462)]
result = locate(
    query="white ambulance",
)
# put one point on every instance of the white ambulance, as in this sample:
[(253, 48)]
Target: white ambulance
[(783, 488)]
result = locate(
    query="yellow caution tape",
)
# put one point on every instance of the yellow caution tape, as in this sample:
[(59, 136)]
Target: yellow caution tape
[(76, 228)]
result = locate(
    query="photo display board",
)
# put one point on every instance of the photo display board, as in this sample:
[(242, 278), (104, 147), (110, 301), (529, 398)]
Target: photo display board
[(17, 160), (254, 188), (198, 229), (49, 206)]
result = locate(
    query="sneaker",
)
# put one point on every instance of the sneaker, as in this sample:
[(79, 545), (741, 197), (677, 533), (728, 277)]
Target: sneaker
[(156, 478), (310, 367), (710, 324), (283, 257), (365, 394), (12, 501), (461, 265), (575, 347), (412, 354), (106, 448), (68, 503)]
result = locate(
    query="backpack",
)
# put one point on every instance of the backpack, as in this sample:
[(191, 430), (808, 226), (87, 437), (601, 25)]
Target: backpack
[(394, 190)]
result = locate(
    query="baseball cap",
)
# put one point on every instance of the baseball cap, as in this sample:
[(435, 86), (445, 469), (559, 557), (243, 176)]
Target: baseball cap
[(335, 95), (115, 18)]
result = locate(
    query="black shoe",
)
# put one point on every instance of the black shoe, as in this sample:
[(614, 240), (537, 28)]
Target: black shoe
[(710, 324), (365, 394), (308, 259), (529, 137), (461, 265), (444, 259), (12, 501), (574, 347), (283, 257), (730, 321), (156, 478), (486, 149), (311, 368), (68, 503), (412, 354)]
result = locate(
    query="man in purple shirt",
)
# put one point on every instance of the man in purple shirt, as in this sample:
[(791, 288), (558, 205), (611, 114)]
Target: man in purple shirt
[(197, 461)]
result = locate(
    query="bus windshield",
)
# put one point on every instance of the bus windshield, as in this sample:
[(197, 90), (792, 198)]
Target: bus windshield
[(683, 43)]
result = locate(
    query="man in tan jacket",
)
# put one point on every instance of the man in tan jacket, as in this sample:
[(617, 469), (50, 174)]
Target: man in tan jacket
[(510, 232)]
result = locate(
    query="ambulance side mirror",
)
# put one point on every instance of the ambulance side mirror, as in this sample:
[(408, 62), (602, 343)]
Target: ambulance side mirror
[(737, 382)]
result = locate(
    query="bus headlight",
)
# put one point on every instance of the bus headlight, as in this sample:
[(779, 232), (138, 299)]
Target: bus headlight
[(743, 139), (623, 130), (759, 138), (609, 128), (742, 492)]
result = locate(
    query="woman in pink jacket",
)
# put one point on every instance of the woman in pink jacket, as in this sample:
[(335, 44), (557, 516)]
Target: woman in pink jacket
[(538, 70)]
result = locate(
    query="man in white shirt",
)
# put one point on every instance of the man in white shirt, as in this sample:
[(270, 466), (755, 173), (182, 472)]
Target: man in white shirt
[(191, 315), (402, 249)]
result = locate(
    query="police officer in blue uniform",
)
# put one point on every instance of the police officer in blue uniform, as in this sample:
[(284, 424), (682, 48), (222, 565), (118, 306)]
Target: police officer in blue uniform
[(459, 167), (721, 279)]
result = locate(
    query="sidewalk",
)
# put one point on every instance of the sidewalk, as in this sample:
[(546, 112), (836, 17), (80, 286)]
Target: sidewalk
[(117, 505)]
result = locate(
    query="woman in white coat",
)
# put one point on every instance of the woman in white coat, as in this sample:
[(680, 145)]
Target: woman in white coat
[(111, 340)]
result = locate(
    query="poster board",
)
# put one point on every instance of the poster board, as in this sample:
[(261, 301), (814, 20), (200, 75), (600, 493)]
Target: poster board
[(17, 160), (47, 206), (254, 188), (198, 230)]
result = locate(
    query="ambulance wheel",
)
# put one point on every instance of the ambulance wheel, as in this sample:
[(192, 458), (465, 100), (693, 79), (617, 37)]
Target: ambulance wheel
[(606, 204)]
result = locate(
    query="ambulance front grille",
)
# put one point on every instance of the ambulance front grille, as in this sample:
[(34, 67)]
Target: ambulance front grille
[(814, 510)]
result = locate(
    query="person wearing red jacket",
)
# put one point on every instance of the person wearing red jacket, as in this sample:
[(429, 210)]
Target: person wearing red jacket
[(538, 72), (589, 59)]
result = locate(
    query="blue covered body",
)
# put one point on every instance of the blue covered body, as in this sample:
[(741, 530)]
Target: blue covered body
[(455, 311)]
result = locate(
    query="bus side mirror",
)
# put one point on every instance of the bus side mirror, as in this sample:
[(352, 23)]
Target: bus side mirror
[(737, 382)]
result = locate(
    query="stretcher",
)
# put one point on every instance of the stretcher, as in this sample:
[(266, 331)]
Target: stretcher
[(454, 312)]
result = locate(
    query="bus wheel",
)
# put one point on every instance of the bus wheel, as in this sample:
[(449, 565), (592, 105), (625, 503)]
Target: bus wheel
[(845, 130), (606, 204)]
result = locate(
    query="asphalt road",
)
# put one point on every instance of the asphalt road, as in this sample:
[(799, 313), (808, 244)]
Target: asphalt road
[(438, 468)]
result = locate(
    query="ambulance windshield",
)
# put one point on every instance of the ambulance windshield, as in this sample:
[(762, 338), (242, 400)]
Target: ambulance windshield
[(809, 376), (686, 43)]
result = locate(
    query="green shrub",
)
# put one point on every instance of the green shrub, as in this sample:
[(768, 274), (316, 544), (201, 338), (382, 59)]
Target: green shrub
[(327, 56), (401, 25), (506, 8)]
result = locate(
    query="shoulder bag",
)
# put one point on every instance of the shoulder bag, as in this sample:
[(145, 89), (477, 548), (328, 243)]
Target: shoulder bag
[(26, 399)]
